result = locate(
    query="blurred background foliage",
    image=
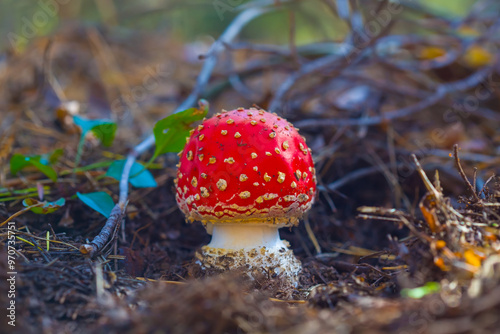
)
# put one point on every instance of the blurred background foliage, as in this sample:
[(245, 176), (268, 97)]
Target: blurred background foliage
[(21, 21)]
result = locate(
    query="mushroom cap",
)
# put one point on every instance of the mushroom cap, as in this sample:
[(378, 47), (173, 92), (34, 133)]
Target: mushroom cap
[(245, 166)]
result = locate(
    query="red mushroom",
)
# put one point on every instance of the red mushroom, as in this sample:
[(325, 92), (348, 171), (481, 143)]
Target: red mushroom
[(245, 173)]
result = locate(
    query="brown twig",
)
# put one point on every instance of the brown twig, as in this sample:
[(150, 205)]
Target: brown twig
[(486, 183), (462, 173), (108, 233), (440, 92)]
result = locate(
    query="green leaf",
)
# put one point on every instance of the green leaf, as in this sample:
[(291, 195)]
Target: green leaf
[(47, 170), (417, 293), (171, 132), (140, 177), (47, 207), (99, 201), (19, 161), (105, 132), (102, 128)]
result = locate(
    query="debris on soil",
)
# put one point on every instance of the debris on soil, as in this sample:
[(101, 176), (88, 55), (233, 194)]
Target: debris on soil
[(404, 235)]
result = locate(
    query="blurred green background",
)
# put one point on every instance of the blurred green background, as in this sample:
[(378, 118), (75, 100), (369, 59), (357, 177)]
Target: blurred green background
[(21, 21)]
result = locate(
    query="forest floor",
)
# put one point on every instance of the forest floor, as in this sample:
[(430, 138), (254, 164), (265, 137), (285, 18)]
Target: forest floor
[(395, 242)]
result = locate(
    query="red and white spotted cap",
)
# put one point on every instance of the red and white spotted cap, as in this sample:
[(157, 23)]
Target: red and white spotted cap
[(245, 166)]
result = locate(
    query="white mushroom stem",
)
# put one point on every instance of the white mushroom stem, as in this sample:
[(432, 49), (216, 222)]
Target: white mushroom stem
[(257, 248), (245, 237)]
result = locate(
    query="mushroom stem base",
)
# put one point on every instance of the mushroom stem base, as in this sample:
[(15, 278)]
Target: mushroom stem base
[(258, 261)]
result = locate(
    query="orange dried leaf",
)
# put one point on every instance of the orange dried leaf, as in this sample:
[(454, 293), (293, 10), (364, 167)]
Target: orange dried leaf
[(477, 56), (439, 262), (431, 52), (428, 207), (440, 244), (490, 235), (472, 258)]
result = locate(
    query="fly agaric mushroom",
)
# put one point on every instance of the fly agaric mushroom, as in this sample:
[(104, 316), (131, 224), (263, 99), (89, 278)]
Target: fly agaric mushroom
[(244, 174)]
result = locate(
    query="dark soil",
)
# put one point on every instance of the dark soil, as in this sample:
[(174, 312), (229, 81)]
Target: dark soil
[(372, 236)]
